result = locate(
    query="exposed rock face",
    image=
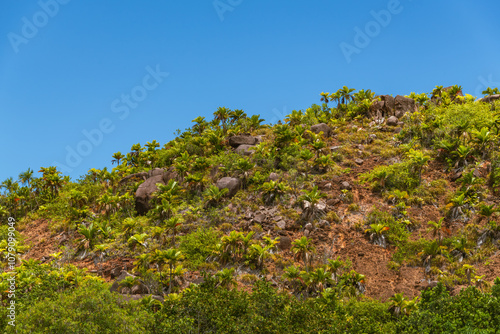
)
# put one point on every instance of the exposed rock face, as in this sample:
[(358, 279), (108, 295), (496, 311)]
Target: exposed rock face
[(377, 109), (317, 128), (403, 105), (145, 192), (245, 149), (232, 184), (490, 98), (392, 121), (238, 140), (389, 105)]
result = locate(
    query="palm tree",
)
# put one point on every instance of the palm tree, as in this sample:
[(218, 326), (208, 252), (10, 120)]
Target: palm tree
[(483, 138), (489, 91), (246, 241), (362, 95), (345, 95), (335, 267), (172, 225), (244, 165), (398, 304), (355, 282), (254, 122), (376, 232), (325, 97), (90, 234), (418, 159), (292, 275), (312, 197), (436, 229), (226, 278), (138, 239), (236, 115), (26, 177), (222, 115), (320, 277), (213, 195), (117, 157), (272, 190), (231, 243), (303, 248), (260, 253), (171, 257), (152, 145)]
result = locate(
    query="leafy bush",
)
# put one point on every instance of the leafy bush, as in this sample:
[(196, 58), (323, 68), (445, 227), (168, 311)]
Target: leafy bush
[(198, 246), (90, 308), (395, 176)]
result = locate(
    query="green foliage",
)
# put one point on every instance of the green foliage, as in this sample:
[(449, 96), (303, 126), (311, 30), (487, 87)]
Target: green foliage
[(395, 176), (90, 308), (198, 246), (440, 313)]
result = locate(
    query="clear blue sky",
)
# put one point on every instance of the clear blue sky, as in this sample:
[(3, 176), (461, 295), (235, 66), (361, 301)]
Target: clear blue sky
[(69, 66)]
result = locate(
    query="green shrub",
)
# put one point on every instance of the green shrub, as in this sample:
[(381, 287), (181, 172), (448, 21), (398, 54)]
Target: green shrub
[(395, 176), (198, 246), (90, 308)]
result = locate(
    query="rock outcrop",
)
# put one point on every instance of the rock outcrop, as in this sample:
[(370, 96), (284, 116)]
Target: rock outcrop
[(232, 184), (321, 127)]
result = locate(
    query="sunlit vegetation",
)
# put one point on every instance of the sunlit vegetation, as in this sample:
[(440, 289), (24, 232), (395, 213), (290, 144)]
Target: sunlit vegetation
[(247, 226)]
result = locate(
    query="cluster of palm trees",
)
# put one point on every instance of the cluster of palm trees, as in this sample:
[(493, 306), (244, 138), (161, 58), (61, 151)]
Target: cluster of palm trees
[(240, 247), (29, 192), (363, 99), (334, 278)]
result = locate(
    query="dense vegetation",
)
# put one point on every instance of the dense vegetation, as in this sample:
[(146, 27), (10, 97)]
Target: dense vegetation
[(216, 261)]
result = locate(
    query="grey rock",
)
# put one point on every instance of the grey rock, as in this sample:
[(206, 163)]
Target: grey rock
[(273, 176), (389, 105), (345, 185), (246, 150), (491, 98), (139, 289), (322, 127), (376, 109), (403, 105), (281, 224), (358, 161), (259, 218), (238, 140), (392, 121), (334, 148), (145, 192), (232, 184)]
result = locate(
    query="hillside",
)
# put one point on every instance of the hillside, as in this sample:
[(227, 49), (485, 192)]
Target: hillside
[(372, 208)]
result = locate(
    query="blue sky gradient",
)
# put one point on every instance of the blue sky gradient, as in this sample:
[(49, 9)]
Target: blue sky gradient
[(67, 66)]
